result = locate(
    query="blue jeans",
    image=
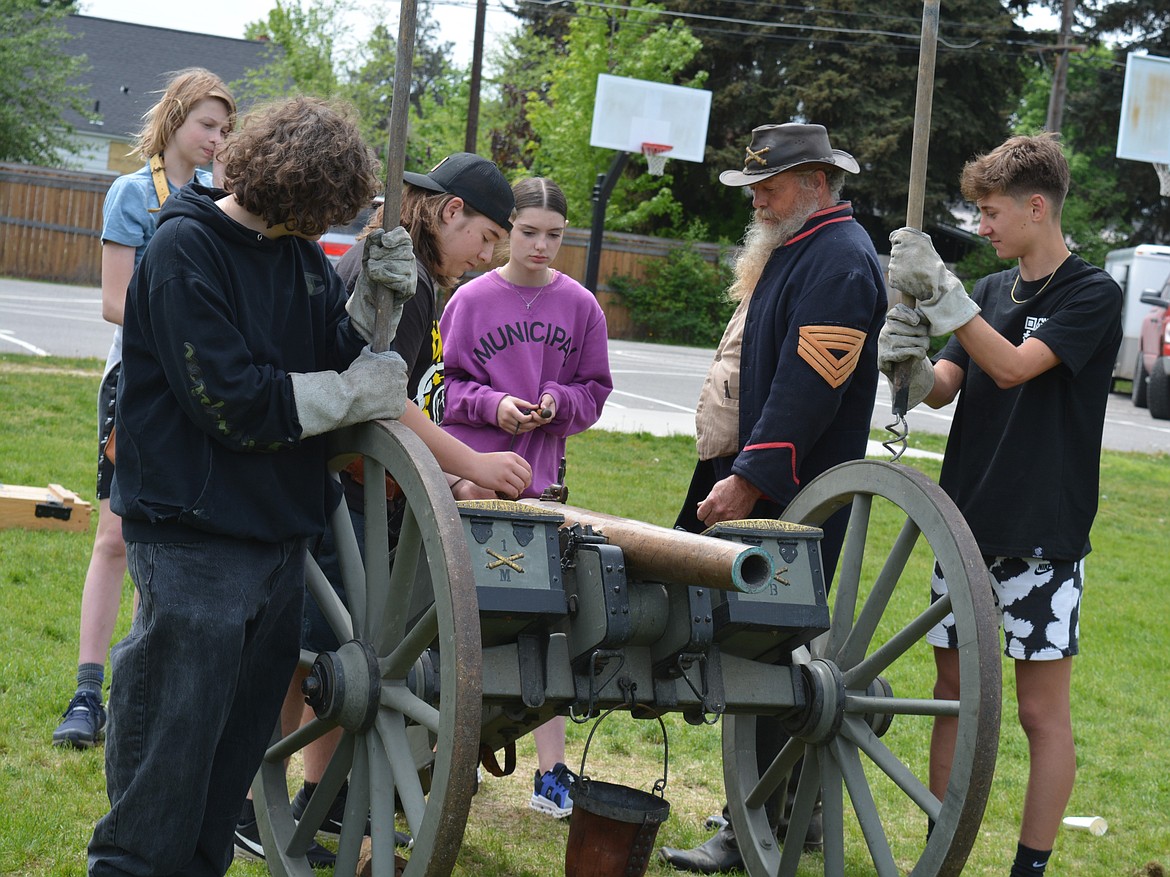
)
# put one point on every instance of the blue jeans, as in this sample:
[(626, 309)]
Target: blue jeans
[(196, 693)]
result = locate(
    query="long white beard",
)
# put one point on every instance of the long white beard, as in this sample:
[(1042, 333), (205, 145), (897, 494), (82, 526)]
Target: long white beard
[(764, 234)]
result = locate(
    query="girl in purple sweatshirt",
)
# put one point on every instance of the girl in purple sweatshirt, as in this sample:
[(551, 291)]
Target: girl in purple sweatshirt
[(525, 348)]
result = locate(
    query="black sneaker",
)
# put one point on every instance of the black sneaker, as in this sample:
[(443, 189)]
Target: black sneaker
[(248, 845), (83, 723), (331, 824)]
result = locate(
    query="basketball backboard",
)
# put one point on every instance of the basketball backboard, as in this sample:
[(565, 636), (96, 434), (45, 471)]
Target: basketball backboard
[(629, 112), (1144, 130)]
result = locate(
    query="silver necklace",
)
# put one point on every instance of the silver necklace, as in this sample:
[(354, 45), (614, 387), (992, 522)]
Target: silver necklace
[(528, 303)]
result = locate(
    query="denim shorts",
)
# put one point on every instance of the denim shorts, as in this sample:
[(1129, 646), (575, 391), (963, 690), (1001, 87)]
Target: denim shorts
[(1039, 603)]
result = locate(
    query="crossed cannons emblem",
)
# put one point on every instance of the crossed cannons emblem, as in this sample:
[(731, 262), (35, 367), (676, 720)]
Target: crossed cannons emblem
[(509, 561)]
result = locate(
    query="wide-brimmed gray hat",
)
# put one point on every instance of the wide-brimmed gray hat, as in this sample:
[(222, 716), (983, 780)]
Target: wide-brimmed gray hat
[(474, 179), (777, 148)]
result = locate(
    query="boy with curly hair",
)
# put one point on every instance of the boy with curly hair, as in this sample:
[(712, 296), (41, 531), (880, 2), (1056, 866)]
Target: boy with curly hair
[(239, 353)]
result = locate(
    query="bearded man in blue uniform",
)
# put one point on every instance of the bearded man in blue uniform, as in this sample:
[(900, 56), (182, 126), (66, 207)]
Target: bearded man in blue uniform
[(790, 391)]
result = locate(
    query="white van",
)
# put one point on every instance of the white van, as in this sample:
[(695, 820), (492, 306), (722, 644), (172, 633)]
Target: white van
[(1137, 270)]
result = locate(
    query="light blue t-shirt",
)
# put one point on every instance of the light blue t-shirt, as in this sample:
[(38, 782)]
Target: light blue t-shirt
[(127, 220)]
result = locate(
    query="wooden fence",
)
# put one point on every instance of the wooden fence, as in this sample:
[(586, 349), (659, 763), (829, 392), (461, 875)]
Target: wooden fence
[(51, 219), (50, 223)]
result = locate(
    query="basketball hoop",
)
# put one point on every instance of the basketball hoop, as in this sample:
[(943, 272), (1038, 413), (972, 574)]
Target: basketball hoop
[(1163, 172), (655, 157)]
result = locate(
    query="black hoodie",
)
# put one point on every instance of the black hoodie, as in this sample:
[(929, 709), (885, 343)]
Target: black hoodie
[(217, 317)]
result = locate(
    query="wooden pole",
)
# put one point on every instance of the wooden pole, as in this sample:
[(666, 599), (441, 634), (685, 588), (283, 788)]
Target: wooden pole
[(396, 155), (916, 196)]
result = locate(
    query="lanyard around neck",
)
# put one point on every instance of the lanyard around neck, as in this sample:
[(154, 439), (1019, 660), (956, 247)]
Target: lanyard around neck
[(159, 175)]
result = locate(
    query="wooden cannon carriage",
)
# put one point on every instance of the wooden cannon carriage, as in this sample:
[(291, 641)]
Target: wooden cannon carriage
[(494, 616)]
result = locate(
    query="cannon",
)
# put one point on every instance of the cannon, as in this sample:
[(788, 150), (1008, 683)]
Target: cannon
[(491, 617)]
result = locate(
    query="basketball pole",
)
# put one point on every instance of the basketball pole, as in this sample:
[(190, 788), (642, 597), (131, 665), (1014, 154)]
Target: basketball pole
[(916, 198), (602, 189), (396, 158)]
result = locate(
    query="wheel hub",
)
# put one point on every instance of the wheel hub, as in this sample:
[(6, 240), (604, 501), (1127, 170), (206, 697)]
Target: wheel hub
[(345, 686), (879, 722), (824, 691)]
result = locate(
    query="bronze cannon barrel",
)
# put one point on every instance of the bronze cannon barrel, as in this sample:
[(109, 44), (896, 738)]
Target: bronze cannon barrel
[(660, 554)]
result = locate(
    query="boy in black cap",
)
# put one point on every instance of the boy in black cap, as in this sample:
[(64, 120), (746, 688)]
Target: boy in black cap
[(791, 388), (455, 215)]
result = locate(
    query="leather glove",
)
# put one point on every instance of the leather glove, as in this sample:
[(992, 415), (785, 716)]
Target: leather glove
[(916, 269), (388, 268), (906, 338), (372, 388)]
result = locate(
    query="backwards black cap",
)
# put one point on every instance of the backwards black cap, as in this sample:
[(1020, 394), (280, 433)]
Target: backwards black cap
[(474, 179)]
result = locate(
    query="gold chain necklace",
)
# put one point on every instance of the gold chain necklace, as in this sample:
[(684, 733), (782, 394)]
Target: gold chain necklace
[(1020, 301)]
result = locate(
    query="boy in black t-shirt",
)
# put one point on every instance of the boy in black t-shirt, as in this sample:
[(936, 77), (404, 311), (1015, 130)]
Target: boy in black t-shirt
[(1031, 361)]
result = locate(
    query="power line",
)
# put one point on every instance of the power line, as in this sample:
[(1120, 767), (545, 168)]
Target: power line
[(736, 27)]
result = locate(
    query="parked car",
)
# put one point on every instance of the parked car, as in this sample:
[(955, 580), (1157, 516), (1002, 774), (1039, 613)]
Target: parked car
[(337, 241), (1151, 381)]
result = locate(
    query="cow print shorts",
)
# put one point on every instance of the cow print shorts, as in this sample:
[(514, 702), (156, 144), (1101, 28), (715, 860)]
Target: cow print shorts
[(1039, 603)]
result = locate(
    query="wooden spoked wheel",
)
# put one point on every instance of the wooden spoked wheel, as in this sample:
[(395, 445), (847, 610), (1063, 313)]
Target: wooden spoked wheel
[(405, 685), (868, 682)]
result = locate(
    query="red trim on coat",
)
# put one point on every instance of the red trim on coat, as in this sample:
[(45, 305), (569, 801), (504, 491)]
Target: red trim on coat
[(771, 446), (816, 228)]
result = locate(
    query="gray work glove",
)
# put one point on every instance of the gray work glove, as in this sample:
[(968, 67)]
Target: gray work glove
[(372, 388), (906, 338), (388, 268), (916, 269)]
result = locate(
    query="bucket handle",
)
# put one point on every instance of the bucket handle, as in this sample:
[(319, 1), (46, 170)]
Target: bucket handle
[(659, 784)]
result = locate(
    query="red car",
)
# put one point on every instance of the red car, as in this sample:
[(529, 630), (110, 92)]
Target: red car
[(1151, 385)]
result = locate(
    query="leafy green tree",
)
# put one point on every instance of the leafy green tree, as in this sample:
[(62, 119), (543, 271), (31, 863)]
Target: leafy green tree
[(438, 91), (314, 51), (631, 41), (301, 56), (523, 65), (39, 83), (1094, 217)]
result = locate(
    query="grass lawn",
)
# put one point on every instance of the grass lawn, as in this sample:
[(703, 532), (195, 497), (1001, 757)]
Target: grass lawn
[(50, 798)]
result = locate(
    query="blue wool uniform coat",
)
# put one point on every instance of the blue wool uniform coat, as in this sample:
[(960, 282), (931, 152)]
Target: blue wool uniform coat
[(809, 369)]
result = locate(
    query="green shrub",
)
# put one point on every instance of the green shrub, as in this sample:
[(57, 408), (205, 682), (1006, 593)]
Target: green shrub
[(680, 300)]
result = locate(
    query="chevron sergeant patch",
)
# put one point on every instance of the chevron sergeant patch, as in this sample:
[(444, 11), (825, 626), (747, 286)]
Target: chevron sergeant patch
[(832, 351)]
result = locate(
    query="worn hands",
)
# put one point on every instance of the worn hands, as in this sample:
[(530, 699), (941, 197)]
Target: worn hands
[(917, 270), (731, 499)]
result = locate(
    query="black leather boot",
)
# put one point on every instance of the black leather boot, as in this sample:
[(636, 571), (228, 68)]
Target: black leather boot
[(718, 854)]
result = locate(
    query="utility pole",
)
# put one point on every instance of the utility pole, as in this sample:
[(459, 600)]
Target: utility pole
[(1060, 73), (476, 74)]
